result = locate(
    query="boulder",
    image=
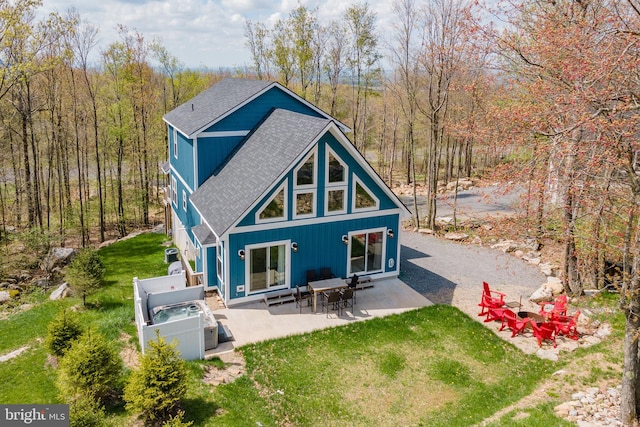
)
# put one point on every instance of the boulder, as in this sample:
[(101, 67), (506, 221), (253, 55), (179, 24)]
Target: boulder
[(4, 296), (505, 246), (59, 293), (542, 294), (58, 257), (555, 285)]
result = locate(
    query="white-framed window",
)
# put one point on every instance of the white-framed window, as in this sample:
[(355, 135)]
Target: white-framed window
[(305, 187), (174, 191), (362, 198), (267, 266), (335, 184), (276, 208), (184, 200), (366, 251), (175, 143), (220, 261)]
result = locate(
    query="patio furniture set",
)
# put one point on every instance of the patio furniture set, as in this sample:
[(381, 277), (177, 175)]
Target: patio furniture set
[(334, 293), (550, 321)]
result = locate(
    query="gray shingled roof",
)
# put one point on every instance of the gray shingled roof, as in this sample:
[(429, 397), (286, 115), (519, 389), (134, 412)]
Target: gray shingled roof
[(208, 106), (263, 158), (204, 235)]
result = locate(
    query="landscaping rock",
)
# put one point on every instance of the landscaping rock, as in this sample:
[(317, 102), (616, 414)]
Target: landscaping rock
[(506, 246), (4, 296), (456, 236), (542, 294), (58, 257), (59, 293)]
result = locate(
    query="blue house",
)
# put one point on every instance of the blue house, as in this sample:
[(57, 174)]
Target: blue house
[(265, 186)]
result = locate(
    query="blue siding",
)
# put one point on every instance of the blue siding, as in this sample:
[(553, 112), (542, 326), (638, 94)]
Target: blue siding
[(247, 117), (190, 218), (319, 245), (212, 152), (183, 165)]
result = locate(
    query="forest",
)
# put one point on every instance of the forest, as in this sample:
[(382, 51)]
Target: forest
[(547, 99)]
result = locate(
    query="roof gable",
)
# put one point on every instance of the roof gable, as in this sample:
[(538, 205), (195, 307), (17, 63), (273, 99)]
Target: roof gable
[(258, 163), (208, 106)]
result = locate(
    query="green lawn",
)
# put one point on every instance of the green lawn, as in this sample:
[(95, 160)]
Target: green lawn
[(433, 367)]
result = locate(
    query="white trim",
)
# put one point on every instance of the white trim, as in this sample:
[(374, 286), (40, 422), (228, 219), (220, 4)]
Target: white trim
[(314, 184), (177, 175), (376, 205), (175, 143), (345, 191), (383, 254), (310, 221), (247, 266), (174, 191), (283, 188), (314, 201), (195, 163), (223, 134), (220, 255)]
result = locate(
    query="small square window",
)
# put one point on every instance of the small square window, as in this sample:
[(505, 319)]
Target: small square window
[(184, 200)]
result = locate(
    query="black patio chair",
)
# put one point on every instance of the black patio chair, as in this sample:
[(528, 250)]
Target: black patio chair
[(332, 301), (353, 283), (326, 273), (311, 276), (302, 296), (347, 298)]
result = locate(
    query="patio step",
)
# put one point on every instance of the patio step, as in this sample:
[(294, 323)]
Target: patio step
[(279, 297)]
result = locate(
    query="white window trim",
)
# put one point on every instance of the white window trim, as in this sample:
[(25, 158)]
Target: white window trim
[(287, 266), (383, 255), (314, 202), (184, 200), (357, 180), (326, 169), (345, 191), (335, 186), (283, 188), (175, 143), (174, 191), (220, 262), (313, 153)]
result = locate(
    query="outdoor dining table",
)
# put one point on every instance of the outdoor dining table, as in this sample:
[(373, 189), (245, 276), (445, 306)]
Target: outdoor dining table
[(319, 286)]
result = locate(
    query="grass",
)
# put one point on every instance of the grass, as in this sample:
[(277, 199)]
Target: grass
[(433, 367)]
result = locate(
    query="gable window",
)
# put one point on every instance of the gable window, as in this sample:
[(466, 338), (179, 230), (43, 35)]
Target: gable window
[(184, 200), (305, 187), (275, 208), (363, 198), (267, 267), (175, 143), (174, 191), (366, 251), (336, 184)]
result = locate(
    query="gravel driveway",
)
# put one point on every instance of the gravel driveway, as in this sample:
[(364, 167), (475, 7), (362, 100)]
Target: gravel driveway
[(452, 273)]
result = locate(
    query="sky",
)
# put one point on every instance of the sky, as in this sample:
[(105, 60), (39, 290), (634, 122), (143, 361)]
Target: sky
[(199, 33)]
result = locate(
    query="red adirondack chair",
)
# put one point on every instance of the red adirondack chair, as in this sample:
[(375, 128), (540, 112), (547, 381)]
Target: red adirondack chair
[(566, 325), (512, 321), (544, 331), (490, 299), (495, 313), (559, 307)]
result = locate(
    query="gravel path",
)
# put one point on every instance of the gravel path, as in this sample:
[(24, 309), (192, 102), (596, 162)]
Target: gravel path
[(452, 273)]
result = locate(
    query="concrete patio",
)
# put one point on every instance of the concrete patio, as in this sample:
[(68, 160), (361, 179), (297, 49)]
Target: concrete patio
[(256, 322)]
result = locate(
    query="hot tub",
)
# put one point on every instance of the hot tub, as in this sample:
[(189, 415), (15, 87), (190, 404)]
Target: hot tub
[(172, 312)]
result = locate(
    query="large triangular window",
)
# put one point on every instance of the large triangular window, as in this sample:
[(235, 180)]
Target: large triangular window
[(276, 208), (363, 198)]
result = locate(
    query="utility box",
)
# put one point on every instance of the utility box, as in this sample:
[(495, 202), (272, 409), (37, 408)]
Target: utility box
[(211, 336), (170, 255)]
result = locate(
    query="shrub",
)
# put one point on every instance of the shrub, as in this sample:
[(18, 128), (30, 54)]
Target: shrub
[(84, 274), (90, 367), (155, 389), (177, 421), (61, 333), (86, 411)]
